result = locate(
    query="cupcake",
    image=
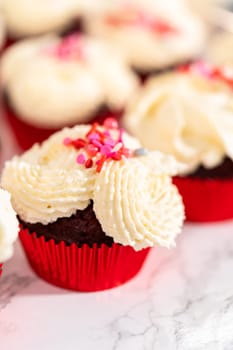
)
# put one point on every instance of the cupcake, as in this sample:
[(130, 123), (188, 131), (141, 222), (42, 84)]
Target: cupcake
[(91, 202), (8, 228), (151, 35), (189, 114), (51, 82), (27, 18)]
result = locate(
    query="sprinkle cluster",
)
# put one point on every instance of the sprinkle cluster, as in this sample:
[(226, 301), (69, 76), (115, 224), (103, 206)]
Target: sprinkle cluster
[(224, 73), (133, 17), (71, 47), (99, 145)]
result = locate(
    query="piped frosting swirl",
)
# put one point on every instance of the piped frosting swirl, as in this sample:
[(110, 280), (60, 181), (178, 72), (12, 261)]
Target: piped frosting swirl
[(134, 199)]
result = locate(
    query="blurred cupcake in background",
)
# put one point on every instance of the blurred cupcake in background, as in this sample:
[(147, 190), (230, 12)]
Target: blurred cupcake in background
[(9, 227), (189, 114), (27, 18), (52, 82), (91, 203), (151, 35)]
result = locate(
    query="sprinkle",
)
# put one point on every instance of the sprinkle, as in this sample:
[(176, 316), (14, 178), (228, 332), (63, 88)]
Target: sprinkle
[(92, 150), (94, 136), (100, 164), (140, 152), (209, 71), (97, 143), (109, 142), (126, 152), (117, 147), (89, 163), (116, 156), (81, 159), (100, 145), (105, 150), (111, 123), (67, 141), (79, 143)]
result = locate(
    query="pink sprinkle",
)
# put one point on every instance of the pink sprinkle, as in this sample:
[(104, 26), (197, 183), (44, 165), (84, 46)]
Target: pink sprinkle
[(111, 123), (67, 141), (96, 143), (105, 150), (93, 136), (106, 133), (81, 159), (109, 142)]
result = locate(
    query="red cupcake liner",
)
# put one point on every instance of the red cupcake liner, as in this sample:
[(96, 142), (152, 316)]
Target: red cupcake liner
[(1, 269), (26, 134), (82, 269), (206, 200)]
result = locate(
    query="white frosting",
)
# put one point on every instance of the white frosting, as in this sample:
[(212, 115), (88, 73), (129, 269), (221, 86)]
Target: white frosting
[(220, 49), (144, 209), (134, 198), (187, 116), (48, 91), (145, 49), (33, 17), (8, 226), (47, 183)]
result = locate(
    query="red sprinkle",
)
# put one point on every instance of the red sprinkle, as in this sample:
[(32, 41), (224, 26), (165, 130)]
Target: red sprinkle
[(100, 164), (79, 143), (111, 123), (100, 144), (92, 150), (209, 71), (89, 163)]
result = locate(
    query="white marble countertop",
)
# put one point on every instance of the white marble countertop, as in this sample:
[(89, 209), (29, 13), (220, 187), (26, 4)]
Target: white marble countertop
[(182, 299)]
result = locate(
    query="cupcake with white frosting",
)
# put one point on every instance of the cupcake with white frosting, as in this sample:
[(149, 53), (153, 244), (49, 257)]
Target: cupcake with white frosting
[(151, 35), (8, 227), (26, 18), (189, 114), (52, 82), (91, 202)]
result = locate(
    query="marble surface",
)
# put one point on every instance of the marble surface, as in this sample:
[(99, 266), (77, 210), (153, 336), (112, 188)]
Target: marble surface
[(181, 300)]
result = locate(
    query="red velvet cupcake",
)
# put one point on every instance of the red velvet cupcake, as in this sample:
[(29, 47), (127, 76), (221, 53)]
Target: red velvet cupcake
[(189, 114), (152, 36), (91, 203), (52, 82)]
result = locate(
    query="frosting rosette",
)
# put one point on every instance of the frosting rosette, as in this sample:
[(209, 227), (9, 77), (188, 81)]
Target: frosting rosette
[(144, 209), (188, 114), (150, 34), (133, 197), (8, 226), (34, 17), (52, 82)]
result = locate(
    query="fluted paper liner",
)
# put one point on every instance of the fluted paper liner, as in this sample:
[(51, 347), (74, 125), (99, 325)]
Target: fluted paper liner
[(27, 134), (206, 200), (81, 269)]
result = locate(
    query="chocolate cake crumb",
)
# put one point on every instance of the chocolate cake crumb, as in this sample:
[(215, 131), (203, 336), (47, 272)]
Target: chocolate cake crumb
[(223, 171), (82, 227)]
